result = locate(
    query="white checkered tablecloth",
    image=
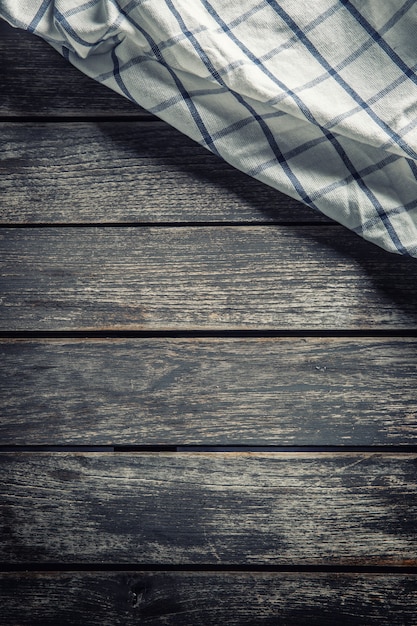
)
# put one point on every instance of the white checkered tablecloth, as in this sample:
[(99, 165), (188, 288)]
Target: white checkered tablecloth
[(315, 98)]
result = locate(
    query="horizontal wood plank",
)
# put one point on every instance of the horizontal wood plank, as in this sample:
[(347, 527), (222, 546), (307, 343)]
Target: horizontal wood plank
[(127, 172), (217, 278), (37, 81), (297, 392), (196, 508), (189, 598)]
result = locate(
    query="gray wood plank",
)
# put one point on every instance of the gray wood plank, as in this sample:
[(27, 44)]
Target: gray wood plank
[(37, 81), (215, 508), (297, 392), (127, 172), (218, 278), (190, 598)]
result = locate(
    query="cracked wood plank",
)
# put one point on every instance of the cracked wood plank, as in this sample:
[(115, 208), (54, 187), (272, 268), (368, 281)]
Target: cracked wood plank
[(219, 278), (209, 598), (214, 391), (356, 509), (127, 172)]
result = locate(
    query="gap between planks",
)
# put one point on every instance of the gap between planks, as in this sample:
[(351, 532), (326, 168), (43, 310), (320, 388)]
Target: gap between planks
[(146, 449)]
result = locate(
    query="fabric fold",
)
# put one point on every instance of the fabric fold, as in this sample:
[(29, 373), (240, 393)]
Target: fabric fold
[(316, 99)]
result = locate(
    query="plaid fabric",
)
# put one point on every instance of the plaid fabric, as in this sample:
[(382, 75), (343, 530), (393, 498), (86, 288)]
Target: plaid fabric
[(317, 99)]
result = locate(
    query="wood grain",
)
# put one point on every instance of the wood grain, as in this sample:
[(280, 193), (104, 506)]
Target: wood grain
[(127, 172), (215, 508), (202, 278), (268, 391), (189, 598), (36, 81), (113, 510)]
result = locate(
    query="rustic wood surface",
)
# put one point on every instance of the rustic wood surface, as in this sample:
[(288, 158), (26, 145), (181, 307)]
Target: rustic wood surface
[(190, 598), (112, 221), (127, 172), (197, 508), (35, 81), (167, 391), (202, 278)]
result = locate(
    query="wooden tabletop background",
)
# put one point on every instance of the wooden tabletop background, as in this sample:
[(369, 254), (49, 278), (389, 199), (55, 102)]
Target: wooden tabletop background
[(208, 390)]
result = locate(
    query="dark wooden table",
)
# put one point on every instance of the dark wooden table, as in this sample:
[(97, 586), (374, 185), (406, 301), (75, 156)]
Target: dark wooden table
[(208, 391)]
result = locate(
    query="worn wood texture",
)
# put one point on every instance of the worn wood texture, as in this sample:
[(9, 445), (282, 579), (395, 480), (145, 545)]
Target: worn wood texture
[(196, 508), (258, 277), (127, 172), (36, 81), (66, 510), (264, 391), (187, 599)]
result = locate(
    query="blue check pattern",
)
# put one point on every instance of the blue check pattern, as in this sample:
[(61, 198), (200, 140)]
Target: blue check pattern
[(317, 99)]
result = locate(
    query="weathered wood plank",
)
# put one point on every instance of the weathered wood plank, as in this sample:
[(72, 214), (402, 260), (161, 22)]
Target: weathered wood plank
[(209, 391), (202, 278), (126, 172), (186, 598), (171, 508), (36, 81)]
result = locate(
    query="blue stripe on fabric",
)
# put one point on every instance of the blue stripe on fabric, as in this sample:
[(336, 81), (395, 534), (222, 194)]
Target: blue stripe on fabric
[(264, 127), (347, 162), (343, 64), (133, 4), (74, 35), (404, 130), (372, 100), (377, 38), (227, 28), (355, 96), (39, 15), (375, 202), (364, 227), (236, 22), (320, 193), (395, 18), (236, 126), (69, 29), (327, 135), (162, 106), (226, 69), (300, 104), (301, 148), (413, 167), (370, 169), (163, 45), (81, 8), (140, 58), (244, 16), (117, 76), (168, 43), (287, 92), (205, 135), (337, 68), (366, 171), (266, 165)]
